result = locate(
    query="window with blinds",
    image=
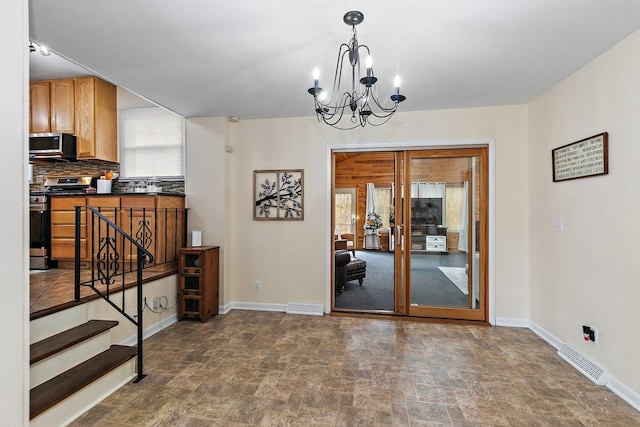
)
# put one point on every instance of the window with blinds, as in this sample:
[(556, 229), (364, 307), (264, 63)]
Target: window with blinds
[(152, 143)]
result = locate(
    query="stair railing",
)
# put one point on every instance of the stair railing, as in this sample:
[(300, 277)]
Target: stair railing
[(110, 247), (108, 266)]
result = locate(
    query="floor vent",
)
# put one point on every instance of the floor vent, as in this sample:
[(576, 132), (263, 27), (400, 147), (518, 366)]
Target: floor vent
[(582, 364), (309, 309)]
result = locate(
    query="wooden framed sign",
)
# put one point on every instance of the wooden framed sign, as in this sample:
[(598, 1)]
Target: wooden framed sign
[(580, 159)]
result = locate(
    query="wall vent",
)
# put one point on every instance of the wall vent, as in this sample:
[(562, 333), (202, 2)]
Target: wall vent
[(582, 364), (309, 309)]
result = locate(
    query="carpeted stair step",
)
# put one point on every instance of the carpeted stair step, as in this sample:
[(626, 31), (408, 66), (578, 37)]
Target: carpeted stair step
[(58, 388), (56, 343)]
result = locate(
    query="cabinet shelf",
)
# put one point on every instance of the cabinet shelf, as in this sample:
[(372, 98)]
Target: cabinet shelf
[(198, 283)]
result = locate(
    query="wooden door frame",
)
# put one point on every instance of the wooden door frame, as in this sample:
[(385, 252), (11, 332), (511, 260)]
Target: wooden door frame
[(419, 145)]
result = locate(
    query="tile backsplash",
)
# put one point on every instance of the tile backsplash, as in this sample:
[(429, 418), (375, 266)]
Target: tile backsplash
[(82, 168)]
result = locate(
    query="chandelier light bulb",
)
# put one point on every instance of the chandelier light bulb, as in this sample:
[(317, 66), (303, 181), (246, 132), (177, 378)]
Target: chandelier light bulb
[(316, 73), (369, 63), (322, 96), (396, 82)]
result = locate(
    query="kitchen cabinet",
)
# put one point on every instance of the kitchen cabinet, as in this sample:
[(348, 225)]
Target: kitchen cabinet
[(95, 117), (198, 283), (107, 206), (63, 219), (156, 222), (52, 106), (39, 107)]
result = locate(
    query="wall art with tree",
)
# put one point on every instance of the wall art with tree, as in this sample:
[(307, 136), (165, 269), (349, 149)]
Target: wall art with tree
[(278, 194)]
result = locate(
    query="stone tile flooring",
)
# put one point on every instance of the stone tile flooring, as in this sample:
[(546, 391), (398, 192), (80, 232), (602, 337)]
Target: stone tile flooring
[(276, 369), (53, 288)]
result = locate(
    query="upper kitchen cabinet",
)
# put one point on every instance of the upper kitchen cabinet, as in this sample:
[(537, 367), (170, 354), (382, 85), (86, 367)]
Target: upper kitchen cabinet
[(96, 120), (52, 106), (83, 106)]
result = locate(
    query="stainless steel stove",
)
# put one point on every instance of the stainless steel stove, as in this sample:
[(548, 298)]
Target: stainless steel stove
[(67, 184), (40, 216)]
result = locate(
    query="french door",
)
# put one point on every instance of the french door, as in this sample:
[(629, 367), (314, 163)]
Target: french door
[(439, 259)]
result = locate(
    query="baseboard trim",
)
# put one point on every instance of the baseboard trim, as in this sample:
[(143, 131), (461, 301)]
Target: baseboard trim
[(624, 392), (613, 384), (511, 322), (545, 335), (255, 306)]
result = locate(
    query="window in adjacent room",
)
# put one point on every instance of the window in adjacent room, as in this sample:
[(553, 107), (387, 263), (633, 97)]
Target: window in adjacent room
[(454, 197), (382, 202), (345, 210), (152, 143)]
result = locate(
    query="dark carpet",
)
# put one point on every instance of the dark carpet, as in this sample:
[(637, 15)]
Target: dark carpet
[(429, 286)]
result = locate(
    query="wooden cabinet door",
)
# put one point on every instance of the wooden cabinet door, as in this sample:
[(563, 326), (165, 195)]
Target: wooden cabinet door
[(138, 219), (62, 106), (98, 233), (96, 119), (85, 117), (39, 107), (63, 228), (106, 122)]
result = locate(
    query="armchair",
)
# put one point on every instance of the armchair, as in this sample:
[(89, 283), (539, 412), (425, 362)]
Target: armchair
[(351, 242), (341, 261)]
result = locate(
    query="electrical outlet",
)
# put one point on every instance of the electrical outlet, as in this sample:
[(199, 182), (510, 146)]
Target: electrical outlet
[(258, 286), (590, 334), (156, 303)]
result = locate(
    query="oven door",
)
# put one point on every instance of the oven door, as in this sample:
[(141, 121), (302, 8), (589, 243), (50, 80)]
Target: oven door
[(39, 238)]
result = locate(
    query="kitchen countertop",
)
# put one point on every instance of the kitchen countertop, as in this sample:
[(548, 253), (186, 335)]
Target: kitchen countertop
[(75, 193)]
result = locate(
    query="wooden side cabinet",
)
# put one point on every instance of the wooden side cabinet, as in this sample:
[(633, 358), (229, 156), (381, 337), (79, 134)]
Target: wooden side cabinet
[(198, 283)]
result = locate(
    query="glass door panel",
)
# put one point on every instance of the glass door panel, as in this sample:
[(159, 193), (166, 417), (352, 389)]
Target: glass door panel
[(445, 211), (366, 281)]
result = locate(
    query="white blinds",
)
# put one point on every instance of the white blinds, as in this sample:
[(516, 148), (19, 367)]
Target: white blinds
[(152, 143)]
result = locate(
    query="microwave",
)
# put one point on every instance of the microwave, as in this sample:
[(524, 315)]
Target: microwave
[(52, 146)]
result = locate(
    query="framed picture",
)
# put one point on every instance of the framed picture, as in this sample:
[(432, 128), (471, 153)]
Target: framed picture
[(278, 194), (580, 159)]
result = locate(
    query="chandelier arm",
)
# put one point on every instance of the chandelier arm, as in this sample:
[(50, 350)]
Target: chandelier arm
[(341, 105), (337, 77), (383, 108)]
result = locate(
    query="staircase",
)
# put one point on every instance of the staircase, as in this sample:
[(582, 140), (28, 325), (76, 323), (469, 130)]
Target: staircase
[(75, 366)]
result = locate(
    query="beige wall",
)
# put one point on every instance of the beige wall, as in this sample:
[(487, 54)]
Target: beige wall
[(290, 258), (206, 185), (14, 232), (587, 274)]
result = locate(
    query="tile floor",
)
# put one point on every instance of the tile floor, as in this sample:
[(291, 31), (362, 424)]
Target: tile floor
[(275, 369), (53, 288)]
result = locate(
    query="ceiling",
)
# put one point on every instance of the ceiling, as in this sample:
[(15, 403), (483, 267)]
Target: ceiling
[(254, 59)]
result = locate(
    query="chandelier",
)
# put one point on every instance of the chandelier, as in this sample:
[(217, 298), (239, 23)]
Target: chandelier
[(361, 101)]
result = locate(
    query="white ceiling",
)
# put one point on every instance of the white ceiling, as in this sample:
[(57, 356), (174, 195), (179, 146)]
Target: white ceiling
[(253, 59)]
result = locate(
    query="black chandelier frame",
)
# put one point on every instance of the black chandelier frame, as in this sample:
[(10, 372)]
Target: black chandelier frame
[(361, 98)]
